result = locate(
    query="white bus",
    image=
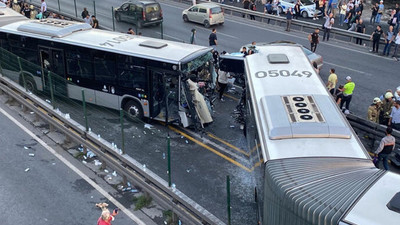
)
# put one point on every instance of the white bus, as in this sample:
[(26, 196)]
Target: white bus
[(314, 169), (138, 74)]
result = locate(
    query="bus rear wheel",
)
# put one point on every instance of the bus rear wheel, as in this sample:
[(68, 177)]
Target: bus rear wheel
[(30, 84), (134, 110)]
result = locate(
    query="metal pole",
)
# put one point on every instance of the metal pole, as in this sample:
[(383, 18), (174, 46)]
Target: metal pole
[(21, 73), (228, 198), (169, 159), (59, 8), (113, 17), (121, 115), (94, 8), (162, 32), (51, 90), (84, 110), (76, 10)]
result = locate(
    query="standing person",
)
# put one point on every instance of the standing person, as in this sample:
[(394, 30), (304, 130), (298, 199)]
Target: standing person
[(212, 39), (342, 13), (332, 81), (321, 4), (16, 6), (106, 217), (387, 105), (381, 7), (396, 45), (360, 28), (246, 5), (388, 41), (222, 83), (43, 9), (386, 147), (88, 20), (253, 7), (289, 17), (329, 20), (375, 37), (130, 31), (33, 12), (374, 13), (84, 13), (348, 90), (394, 120), (27, 11), (314, 39), (193, 36), (297, 10), (374, 110), (350, 15), (95, 22)]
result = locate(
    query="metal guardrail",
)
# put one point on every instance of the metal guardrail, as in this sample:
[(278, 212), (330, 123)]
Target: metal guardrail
[(131, 170)]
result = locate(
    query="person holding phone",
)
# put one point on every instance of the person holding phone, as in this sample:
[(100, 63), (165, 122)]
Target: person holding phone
[(106, 217)]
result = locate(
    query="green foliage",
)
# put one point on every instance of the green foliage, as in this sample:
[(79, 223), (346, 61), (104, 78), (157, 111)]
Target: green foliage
[(142, 201)]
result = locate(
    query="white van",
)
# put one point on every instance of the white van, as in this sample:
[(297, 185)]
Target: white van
[(204, 13)]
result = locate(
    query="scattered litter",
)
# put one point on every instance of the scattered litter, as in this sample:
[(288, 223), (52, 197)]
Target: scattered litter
[(144, 167), (109, 178), (179, 222), (114, 173), (144, 132), (188, 170), (139, 135), (26, 147), (32, 154), (27, 169), (181, 136), (159, 130), (133, 136), (84, 162), (106, 171), (120, 187), (48, 101), (90, 129), (84, 157), (134, 191), (126, 189), (97, 162), (80, 148), (32, 113), (163, 155), (98, 136), (152, 133), (148, 126), (120, 151), (186, 141), (232, 126), (128, 183), (91, 196), (53, 163), (90, 154), (67, 116), (157, 151), (173, 186), (165, 222)]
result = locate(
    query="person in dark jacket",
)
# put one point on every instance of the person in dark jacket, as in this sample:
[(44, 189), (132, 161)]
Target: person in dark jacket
[(385, 148)]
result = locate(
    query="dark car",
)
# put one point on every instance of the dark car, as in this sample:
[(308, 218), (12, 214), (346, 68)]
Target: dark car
[(141, 13)]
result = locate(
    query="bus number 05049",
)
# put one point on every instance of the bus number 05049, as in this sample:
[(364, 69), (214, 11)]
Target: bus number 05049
[(283, 73)]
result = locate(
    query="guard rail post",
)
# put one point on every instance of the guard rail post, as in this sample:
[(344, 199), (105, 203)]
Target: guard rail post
[(162, 32), (121, 117), (113, 17), (22, 73), (76, 10), (51, 89), (94, 8), (59, 7), (84, 110), (169, 159), (228, 198)]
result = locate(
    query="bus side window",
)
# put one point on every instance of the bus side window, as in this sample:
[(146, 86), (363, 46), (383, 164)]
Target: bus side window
[(104, 67)]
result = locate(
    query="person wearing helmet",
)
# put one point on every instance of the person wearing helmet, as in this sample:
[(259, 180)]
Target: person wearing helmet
[(374, 110), (387, 105)]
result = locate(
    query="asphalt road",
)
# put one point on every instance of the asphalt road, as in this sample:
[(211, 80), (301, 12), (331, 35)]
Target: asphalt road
[(45, 187)]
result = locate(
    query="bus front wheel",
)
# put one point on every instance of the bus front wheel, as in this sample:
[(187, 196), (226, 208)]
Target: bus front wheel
[(134, 109), (30, 84)]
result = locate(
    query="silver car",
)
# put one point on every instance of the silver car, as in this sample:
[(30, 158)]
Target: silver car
[(204, 13)]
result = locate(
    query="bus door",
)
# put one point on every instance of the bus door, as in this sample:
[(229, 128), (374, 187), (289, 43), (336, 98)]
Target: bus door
[(52, 59), (164, 95)]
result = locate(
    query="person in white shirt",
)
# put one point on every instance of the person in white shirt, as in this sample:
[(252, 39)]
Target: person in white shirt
[(397, 43), (43, 7)]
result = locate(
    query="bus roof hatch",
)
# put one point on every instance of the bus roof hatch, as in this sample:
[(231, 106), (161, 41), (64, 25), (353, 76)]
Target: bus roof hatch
[(53, 27)]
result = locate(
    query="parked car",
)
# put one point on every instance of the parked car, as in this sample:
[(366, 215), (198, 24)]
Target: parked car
[(204, 13), (307, 7), (140, 12)]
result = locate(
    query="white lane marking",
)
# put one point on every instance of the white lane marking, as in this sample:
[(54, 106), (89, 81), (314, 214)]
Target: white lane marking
[(271, 29), (347, 68), (73, 168)]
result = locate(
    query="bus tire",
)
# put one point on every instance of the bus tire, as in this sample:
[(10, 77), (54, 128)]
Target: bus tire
[(206, 24), (29, 82), (134, 109), (185, 18)]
